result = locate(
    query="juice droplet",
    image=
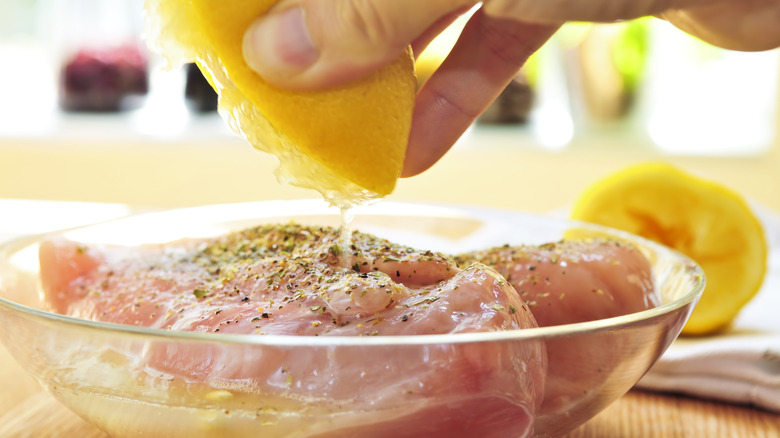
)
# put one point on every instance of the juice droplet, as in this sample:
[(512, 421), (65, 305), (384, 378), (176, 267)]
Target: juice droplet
[(345, 234)]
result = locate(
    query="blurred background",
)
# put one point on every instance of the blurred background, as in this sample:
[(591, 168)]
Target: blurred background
[(87, 114)]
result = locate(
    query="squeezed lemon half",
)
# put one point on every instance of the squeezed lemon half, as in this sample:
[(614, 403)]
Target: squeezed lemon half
[(702, 219), (346, 142)]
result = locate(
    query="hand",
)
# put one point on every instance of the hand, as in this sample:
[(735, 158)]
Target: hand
[(310, 44)]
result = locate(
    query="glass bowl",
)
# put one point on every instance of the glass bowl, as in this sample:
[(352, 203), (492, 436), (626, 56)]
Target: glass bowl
[(101, 370)]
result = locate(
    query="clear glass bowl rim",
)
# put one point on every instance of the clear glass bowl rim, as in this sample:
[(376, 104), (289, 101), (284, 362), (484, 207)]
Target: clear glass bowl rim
[(10, 247)]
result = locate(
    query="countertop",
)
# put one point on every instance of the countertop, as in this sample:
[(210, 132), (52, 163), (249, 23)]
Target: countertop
[(499, 167)]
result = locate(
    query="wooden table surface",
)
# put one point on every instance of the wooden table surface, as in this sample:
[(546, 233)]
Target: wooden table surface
[(28, 411)]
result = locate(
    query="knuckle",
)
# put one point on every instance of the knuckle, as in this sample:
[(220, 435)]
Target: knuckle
[(563, 10), (371, 26), (513, 9)]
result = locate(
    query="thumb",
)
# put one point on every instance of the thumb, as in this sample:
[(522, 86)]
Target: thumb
[(305, 44)]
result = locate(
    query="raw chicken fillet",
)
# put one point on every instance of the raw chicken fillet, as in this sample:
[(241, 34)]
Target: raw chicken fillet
[(297, 280), (283, 280)]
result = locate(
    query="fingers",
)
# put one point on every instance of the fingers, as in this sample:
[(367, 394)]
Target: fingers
[(736, 25), (434, 30), (555, 11), (487, 56), (306, 44)]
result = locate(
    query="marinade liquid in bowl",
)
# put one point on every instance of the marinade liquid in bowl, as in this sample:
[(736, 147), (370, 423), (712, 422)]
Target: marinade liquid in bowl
[(540, 381)]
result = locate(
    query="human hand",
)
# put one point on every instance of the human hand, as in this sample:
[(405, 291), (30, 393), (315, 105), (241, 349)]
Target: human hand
[(748, 25), (310, 44)]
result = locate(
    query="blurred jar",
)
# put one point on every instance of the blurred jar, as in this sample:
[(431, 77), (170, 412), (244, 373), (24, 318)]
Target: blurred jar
[(102, 63), (605, 63), (198, 92), (513, 106)]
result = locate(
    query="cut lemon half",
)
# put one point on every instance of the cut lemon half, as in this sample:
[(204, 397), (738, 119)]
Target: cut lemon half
[(346, 142), (702, 219)]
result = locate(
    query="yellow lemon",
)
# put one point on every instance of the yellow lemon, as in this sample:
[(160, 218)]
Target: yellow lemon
[(347, 142), (698, 217)]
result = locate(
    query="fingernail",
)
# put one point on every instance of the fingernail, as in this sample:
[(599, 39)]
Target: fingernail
[(279, 44)]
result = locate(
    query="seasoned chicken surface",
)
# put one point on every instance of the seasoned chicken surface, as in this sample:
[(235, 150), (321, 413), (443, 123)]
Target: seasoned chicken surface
[(297, 280)]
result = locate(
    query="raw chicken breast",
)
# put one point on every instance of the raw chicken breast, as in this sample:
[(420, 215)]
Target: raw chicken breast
[(570, 282), (574, 280), (296, 280)]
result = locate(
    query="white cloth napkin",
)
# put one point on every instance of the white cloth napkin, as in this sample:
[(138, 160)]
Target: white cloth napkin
[(741, 365)]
